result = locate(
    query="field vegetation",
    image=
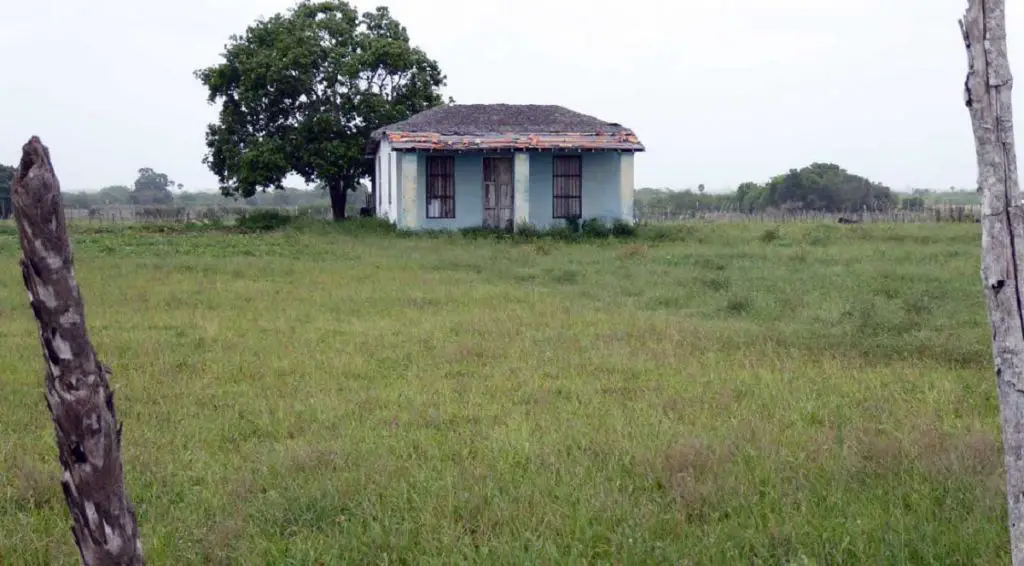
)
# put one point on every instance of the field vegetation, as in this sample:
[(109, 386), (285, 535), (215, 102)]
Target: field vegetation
[(688, 394)]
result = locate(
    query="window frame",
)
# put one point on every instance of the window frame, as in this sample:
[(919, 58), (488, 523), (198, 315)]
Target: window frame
[(562, 192), (440, 170)]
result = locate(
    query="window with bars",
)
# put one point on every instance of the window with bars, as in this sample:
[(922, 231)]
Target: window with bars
[(568, 187), (440, 187)]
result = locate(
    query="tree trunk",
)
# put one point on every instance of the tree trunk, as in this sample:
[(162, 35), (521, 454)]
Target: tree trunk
[(78, 393), (339, 198), (987, 95)]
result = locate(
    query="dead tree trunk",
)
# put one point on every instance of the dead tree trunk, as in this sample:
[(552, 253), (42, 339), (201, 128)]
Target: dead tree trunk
[(77, 389), (987, 95)]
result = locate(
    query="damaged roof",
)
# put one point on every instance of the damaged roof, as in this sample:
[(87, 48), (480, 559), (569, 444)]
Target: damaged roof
[(463, 127)]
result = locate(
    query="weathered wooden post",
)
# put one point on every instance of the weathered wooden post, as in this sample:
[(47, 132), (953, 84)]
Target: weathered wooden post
[(77, 389), (987, 95)]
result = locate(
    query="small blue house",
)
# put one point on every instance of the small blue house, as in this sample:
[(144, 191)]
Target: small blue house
[(502, 166)]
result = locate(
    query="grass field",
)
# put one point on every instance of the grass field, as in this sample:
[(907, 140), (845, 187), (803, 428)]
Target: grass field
[(708, 394)]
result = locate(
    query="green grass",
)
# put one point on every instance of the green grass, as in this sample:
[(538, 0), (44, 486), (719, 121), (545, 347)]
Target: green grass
[(704, 394)]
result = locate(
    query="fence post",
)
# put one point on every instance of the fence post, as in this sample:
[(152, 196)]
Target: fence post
[(78, 394)]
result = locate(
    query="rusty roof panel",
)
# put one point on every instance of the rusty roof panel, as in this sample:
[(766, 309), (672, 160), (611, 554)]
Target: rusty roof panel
[(623, 140)]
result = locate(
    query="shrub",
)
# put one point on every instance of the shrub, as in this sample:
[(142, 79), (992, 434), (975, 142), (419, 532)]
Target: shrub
[(370, 226), (564, 233), (623, 229), (527, 231), (263, 220), (770, 235), (595, 228)]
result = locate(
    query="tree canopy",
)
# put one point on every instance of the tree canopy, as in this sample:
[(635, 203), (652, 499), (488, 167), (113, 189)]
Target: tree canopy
[(818, 186), (152, 187), (301, 92), (829, 187)]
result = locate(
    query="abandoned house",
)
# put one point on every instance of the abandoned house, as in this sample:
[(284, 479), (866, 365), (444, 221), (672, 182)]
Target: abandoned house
[(501, 166)]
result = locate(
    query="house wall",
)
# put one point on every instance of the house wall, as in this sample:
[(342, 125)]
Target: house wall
[(469, 193), (387, 182), (605, 192), (602, 197)]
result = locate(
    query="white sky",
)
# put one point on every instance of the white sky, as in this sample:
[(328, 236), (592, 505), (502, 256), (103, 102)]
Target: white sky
[(720, 91)]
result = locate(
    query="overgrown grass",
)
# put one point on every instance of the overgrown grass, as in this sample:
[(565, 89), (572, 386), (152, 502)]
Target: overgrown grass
[(704, 394)]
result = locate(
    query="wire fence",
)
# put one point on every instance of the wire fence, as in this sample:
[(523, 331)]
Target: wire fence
[(227, 214), (134, 214), (930, 214)]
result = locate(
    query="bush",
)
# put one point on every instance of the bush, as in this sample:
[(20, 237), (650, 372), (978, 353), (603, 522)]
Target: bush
[(623, 229), (527, 231), (263, 220), (770, 235), (595, 228)]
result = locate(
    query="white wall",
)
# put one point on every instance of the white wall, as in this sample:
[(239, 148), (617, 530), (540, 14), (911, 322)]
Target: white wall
[(387, 166)]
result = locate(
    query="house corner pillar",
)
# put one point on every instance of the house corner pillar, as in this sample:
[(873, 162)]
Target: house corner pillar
[(521, 202), (626, 194), (410, 175)]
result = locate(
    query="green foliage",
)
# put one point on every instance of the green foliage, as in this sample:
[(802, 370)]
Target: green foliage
[(623, 229), (263, 220), (819, 186), (678, 203), (915, 203), (952, 196), (301, 92), (117, 194), (595, 228), (705, 400), (152, 188), (7, 174), (826, 186), (589, 230), (305, 202), (771, 234)]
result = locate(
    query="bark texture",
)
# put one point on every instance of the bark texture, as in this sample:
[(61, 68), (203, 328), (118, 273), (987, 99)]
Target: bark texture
[(988, 97), (78, 392), (338, 191)]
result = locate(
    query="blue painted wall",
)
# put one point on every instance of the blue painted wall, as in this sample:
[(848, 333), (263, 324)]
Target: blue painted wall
[(601, 195), (469, 193), (600, 188)]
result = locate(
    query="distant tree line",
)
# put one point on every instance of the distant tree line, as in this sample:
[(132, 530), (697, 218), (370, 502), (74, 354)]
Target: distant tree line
[(823, 187), (154, 189), (6, 179)]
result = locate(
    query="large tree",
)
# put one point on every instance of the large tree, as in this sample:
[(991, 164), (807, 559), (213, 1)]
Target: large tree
[(827, 186), (301, 92), (152, 187)]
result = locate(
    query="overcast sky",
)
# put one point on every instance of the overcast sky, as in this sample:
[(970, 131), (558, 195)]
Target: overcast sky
[(720, 91)]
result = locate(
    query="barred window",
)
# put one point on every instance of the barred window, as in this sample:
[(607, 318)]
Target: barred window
[(568, 187), (440, 187)]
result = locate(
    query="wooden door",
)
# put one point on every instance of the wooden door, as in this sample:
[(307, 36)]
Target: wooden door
[(499, 193)]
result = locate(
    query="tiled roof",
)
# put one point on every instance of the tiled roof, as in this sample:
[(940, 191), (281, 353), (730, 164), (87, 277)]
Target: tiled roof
[(506, 126)]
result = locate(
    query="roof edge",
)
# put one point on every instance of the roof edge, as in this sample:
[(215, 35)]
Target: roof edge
[(621, 141)]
